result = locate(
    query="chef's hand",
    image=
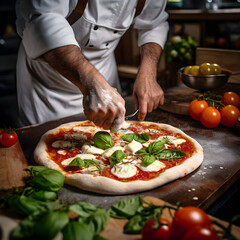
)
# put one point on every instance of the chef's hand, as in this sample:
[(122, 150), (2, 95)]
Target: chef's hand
[(104, 106), (147, 93)]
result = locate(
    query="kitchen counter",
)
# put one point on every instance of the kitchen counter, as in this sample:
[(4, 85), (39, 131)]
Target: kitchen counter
[(219, 170)]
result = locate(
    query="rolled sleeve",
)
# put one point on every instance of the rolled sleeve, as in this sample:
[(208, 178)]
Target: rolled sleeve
[(152, 23), (46, 32)]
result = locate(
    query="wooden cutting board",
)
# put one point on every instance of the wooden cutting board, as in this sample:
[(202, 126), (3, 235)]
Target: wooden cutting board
[(114, 229), (12, 167)]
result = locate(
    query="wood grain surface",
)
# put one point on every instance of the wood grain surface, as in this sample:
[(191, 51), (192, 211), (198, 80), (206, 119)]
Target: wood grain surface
[(12, 165)]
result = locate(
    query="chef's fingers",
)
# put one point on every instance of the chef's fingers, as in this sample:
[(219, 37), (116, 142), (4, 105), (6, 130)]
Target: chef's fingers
[(143, 108)]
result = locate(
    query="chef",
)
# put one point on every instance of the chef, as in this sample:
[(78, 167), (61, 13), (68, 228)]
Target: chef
[(66, 68)]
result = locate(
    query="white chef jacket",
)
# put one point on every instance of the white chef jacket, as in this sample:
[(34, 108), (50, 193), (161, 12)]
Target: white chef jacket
[(43, 93)]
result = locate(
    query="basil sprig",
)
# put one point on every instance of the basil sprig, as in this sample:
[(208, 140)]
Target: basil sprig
[(137, 211), (82, 163), (103, 140), (142, 138), (170, 154), (149, 153), (117, 157), (45, 216), (45, 178)]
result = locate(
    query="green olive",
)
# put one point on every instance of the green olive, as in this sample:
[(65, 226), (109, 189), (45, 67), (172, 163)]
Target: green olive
[(206, 69), (194, 70), (216, 69), (187, 70)]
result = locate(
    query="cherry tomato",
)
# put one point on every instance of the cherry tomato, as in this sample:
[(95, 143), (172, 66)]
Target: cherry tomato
[(229, 116), (8, 139), (201, 234), (187, 218), (161, 233), (210, 117), (196, 107), (231, 98)]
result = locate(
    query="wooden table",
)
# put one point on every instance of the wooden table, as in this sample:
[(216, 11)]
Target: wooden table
[(219, 170)]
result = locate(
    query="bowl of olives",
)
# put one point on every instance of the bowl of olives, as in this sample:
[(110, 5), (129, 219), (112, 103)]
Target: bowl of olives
[(204, 77)]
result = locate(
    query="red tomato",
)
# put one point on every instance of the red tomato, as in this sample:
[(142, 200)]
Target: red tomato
[(187, 218), (201, 234), (231, 98), (229, 116), (210, 117), (196, 107), (8, 139), (161, 233)]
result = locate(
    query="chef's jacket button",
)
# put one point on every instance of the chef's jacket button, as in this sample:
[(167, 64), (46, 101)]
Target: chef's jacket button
[(91, 45), (95, 27), (106, 44), (115, 32)]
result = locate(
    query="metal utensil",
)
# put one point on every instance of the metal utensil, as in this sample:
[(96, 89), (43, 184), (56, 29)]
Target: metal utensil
[(207, 82), (131, 115)]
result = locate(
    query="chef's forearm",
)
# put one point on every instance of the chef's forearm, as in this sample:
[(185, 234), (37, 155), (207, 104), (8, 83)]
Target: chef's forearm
[(70, 62), (150, 55)]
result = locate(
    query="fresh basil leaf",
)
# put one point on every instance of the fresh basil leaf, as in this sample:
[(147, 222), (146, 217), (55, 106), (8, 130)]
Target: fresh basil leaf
[(154, 147), (77, 162), (134, 225), (117, 157), (141, 151), (34, 170), (83, 209), (142, 138), (41, 225), (81, 163), (126, 208), (103, 140), (49, 180), (98, 220), (147, 160), (43, 195), (98, 237), (25, 205), (128, 137), (75, 230), (170, 154)]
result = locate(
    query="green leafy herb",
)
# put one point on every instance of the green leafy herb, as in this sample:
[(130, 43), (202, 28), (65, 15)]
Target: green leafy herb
[(47, 179), (43, 195), (117, 157), (147, 160), (103, 140), (75, 230), (82, 163), (126, 208), (170, 154), (41, 225), (142, 138)]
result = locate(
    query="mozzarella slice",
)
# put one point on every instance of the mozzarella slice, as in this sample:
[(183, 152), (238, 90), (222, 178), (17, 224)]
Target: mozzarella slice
[(173, 140), (86, 148), (154, 167), (67, 161), (133, 146), (62, 152), (108, 152), (124, 170)]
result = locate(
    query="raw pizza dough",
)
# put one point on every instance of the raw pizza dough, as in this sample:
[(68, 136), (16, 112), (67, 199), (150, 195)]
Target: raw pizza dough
[(105, 185)]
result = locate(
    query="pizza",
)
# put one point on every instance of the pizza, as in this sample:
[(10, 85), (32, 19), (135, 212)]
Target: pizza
[(139, 157)]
